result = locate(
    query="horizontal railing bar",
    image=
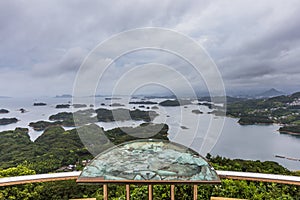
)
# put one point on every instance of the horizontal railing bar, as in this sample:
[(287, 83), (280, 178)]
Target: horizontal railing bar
[(294, 180), (147, 182), (250, 176), (16, 180)]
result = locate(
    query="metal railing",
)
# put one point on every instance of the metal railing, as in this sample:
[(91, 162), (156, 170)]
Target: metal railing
[(283, 179)]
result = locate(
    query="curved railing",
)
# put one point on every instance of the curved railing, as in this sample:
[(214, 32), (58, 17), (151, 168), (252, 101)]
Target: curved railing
[(249, 176), (37, 178)]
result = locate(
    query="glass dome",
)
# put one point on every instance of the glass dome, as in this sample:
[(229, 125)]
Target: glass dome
[(151, 161)]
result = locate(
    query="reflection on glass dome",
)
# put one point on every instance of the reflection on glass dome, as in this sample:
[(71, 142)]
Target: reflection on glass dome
[(150, 160)]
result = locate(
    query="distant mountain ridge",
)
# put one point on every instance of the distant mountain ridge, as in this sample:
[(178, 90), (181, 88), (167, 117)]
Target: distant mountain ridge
[(270, 93)]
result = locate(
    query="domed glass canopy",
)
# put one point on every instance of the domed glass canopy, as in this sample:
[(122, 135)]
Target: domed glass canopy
[(148, 161)]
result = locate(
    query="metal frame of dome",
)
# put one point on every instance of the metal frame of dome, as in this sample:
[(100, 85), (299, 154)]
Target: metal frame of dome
[(149, 161)]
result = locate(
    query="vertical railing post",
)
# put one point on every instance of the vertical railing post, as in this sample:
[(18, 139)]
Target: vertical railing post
[(127, 192), (195, 192), (105, 192), (150, 192), (172, 192)]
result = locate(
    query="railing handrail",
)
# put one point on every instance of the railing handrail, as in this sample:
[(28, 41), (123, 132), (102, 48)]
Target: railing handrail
[(275, 178), (251, 176), (16, 180)]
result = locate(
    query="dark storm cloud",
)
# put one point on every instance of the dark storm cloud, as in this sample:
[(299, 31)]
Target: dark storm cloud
[(34, 30), (44, 42)]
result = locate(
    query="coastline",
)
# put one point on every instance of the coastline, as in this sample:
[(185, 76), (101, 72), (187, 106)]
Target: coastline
[(289, 132)]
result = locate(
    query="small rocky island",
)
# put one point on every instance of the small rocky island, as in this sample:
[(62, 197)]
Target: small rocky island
[(175, 102), (6, 121), (116, 105), (4, 111), (39, 104), (42, 125), (197, 112), (79, 105), (63, 106)]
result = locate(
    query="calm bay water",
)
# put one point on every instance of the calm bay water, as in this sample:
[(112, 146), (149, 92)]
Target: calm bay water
[(255, 142)]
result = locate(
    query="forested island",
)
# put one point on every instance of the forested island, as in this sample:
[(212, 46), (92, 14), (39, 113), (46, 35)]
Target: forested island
[(63, 106), (283, 110), (121, 114), (57, 147), (176, 102), (82, 117), (293, 129)]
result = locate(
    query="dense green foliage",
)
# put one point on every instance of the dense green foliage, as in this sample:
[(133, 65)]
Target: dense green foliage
[(281, 110), (42, 125), (26, 192), (86, 116), (56, 147), (254, 119), (13, 145), (61, 190), (100, 140), (42, 191), (78, 118), (121, 114), (16, 171), (53, 149), (270, 167), (272, 110), (148, 130)]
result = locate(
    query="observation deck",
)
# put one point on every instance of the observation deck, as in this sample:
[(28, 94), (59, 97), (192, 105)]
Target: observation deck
[(248, 176)]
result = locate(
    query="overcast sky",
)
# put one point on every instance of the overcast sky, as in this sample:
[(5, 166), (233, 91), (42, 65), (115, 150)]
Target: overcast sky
[(256, 46)]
